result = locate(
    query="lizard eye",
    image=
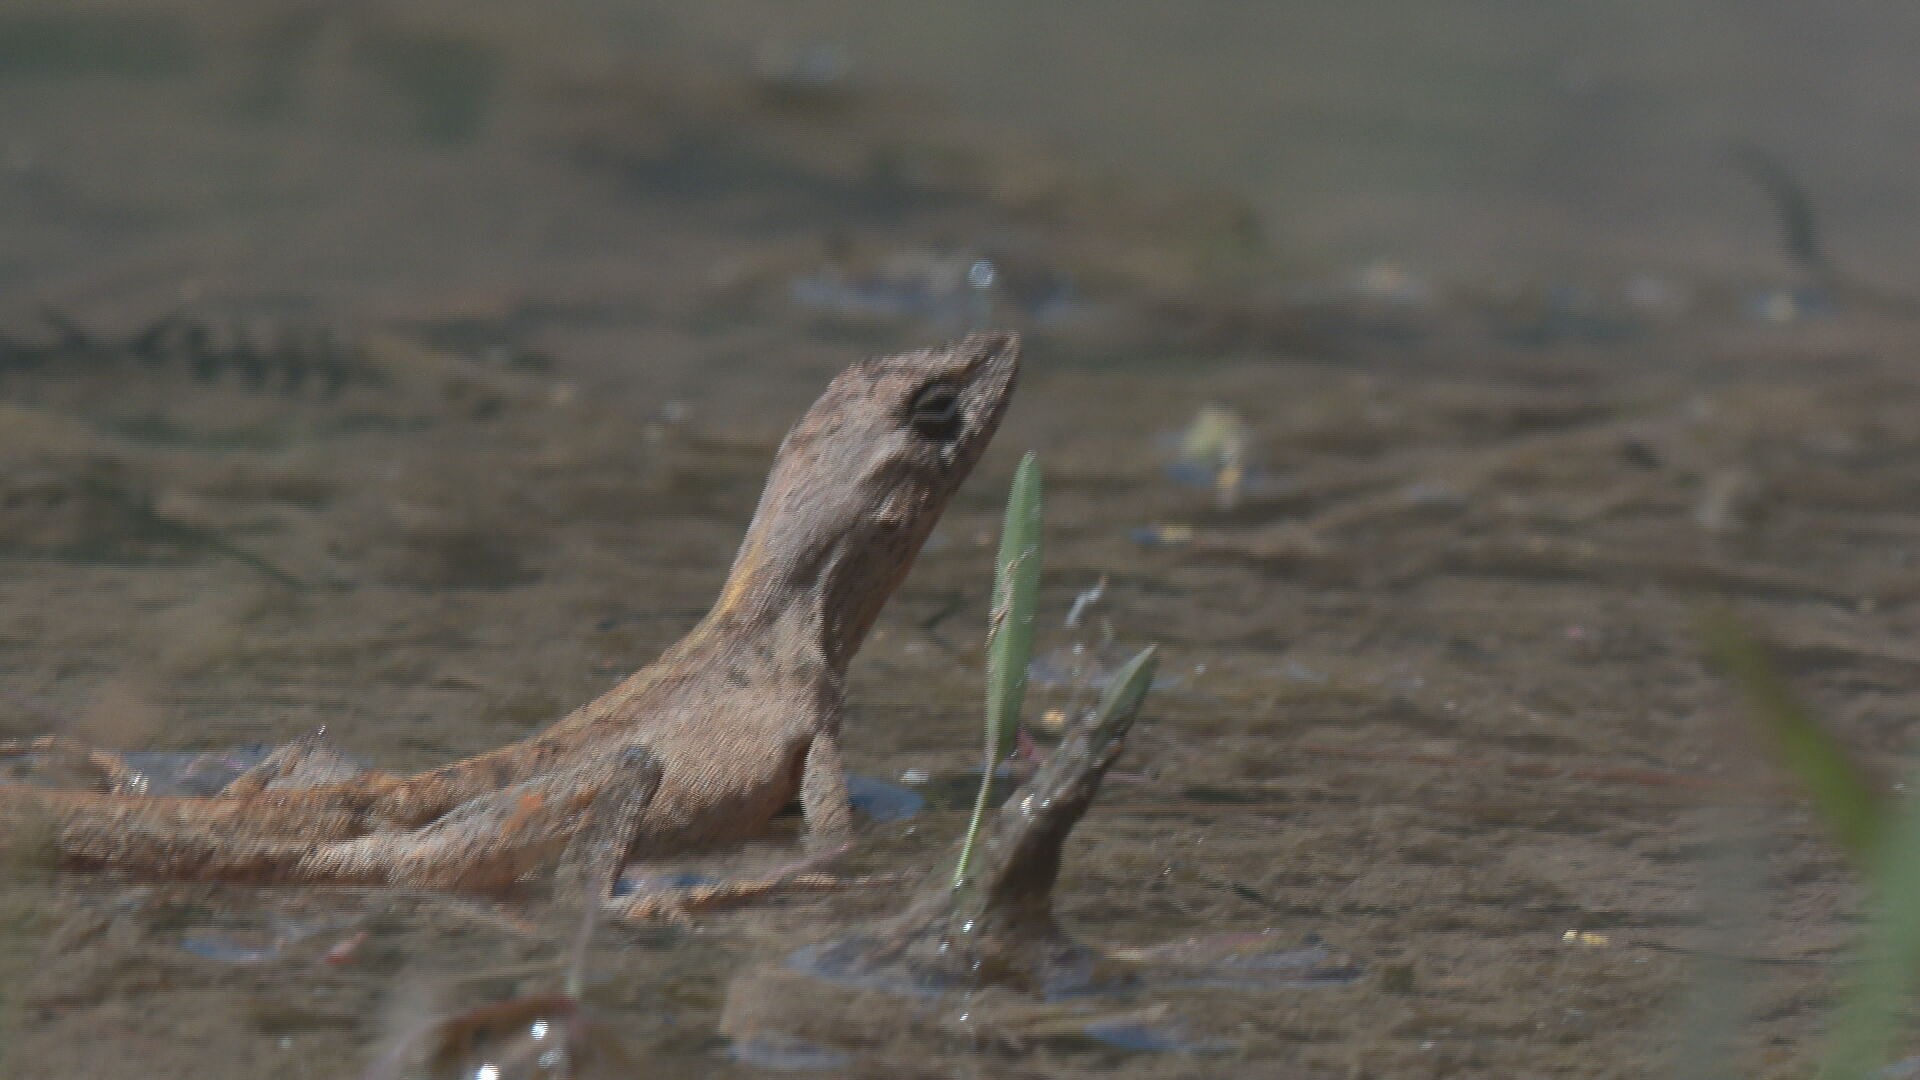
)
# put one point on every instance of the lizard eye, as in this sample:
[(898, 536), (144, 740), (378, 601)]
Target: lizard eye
[(935, 412)]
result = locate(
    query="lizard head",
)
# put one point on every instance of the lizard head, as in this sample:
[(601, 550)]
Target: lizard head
[(860, 481)]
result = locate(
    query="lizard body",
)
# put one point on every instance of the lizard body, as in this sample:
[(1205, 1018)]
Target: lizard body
[(700, 749)]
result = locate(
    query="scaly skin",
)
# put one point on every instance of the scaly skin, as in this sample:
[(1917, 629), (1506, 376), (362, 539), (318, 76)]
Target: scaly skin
[(698, 750)]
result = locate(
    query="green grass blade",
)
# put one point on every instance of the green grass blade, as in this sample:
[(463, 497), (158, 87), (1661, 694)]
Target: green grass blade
[(1016, 595), (1841, 791), (1873, 1006), (1123, 698), (1886, 844)]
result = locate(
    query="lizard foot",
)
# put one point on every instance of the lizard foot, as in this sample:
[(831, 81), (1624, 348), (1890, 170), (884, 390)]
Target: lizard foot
[(306, 762), (679, 904), (110, 771)]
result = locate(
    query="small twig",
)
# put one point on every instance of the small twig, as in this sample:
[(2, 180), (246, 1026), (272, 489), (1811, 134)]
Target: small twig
[(1799, 234)]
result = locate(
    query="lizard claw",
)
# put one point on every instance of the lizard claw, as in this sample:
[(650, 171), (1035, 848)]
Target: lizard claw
[(110, 771), (653, 907), (678, 905)]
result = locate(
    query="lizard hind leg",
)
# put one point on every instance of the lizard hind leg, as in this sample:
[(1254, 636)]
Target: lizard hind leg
[(322, 837), (571, 815)]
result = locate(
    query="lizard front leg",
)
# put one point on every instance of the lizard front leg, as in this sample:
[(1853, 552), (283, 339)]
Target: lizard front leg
[(824, 801), (829, 816)]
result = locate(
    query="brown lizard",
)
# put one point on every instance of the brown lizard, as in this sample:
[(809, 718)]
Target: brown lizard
[(700, 749)]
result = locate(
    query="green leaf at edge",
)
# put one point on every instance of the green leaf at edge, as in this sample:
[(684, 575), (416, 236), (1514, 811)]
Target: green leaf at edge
[(1842, 793)]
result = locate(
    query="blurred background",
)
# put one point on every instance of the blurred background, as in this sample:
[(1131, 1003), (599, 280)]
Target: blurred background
[(1483, 142)]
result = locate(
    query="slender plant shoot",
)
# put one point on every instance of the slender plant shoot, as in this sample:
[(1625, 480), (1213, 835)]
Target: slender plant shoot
[(1016, 593), (1868, 1021), (1883, 840), (1016, 596), (1124, 696), (1842, 792)]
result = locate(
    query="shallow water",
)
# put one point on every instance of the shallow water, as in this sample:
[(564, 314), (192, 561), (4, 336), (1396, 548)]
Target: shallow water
[(1510, 414)]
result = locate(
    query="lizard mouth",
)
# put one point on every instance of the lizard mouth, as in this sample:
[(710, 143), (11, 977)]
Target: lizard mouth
[(992, 360), (994, 353)]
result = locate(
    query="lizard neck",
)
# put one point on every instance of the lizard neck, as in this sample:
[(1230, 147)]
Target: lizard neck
[(802, 606)]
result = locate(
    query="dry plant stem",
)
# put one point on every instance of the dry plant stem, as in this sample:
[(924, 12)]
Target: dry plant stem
[(699, 750), (999, 924)]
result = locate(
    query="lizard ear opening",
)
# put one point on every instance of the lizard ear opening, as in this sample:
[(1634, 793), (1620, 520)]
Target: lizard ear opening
[(935, 412)]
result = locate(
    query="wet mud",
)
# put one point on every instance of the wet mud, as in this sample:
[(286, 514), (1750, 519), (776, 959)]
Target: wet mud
[(413, 378)]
